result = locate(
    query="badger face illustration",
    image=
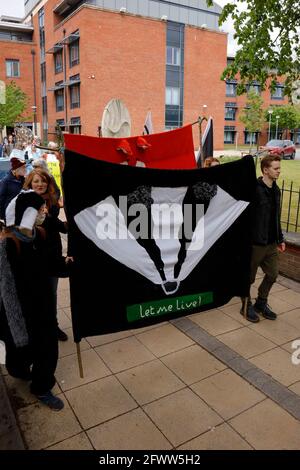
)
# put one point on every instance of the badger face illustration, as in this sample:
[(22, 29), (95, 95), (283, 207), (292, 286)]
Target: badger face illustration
[(173, 231)]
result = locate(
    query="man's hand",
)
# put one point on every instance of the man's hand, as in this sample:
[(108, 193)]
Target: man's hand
[(281, 247)]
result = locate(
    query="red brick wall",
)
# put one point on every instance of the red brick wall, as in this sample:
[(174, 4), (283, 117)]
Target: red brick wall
[(289, 262), (20, 51), (204, 61), (126, 54)]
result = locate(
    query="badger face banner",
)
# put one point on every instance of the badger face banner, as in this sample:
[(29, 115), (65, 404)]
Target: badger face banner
[(151, 245)]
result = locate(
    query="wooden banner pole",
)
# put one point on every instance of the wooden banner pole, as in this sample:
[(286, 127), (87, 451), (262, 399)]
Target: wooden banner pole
[(79, 360)]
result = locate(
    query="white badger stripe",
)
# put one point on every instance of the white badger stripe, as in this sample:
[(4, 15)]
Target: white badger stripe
[(121, 245)]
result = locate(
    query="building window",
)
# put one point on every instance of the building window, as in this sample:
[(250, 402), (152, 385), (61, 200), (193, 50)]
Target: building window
[(230, 111), (75, 125), (41, 15), (74, 53), (75, 96), (278, 93), (229, 134), (61, 123), (42, 44), (250, 137), (173, 55), (59, 98), (12, 68), (231, 87), (58, 62), (173, 95), (254, 87)]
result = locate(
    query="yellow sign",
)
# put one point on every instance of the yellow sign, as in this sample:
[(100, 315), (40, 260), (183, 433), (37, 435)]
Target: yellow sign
[(54, 169)]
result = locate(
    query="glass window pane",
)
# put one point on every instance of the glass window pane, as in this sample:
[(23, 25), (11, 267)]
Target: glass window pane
[(169, 55), (168, 95), (175, 96)]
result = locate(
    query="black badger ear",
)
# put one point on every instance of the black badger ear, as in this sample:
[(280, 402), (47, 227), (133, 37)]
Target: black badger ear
[(141, 195), (204, 192)]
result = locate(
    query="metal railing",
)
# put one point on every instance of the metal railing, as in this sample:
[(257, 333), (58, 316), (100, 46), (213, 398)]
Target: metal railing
[(290, 206)]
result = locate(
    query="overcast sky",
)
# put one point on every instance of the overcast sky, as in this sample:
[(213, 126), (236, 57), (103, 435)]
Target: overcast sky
[(12, 8), (16, 8)]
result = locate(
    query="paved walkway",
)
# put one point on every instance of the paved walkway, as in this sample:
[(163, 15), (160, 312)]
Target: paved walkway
[(207, 381)]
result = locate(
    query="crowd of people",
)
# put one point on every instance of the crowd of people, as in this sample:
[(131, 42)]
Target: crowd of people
[(31, 262)]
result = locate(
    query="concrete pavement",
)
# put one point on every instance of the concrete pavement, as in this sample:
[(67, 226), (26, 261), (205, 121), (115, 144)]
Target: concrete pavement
[(207, 381)]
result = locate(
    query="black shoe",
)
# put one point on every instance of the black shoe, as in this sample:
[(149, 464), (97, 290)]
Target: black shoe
[(251, 315), (50, 400), (262, 307), (61, 335)]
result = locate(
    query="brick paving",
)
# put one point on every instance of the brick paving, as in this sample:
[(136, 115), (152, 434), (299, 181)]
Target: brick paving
[(207, 381)]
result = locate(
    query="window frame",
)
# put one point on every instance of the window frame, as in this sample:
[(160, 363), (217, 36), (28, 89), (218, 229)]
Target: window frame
[(11, 63), (171, 90), (175, 53), (58, 69), (72, 45), (75, 104)]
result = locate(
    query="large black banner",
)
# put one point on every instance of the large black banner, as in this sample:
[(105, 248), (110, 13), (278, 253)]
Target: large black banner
[(151, 245)]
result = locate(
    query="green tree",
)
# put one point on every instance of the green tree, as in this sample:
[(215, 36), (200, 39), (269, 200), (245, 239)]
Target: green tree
[(252, 115), (267, 33), (12, 110), (289, 118)]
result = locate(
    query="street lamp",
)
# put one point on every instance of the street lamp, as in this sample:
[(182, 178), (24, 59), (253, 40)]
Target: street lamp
[(277, 119), (270, 117), (34, 120)]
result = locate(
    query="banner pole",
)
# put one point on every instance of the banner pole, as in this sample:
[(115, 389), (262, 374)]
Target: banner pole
[(79, 360)]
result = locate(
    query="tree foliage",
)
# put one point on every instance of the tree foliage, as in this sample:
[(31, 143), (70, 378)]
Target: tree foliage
[(12, 110), (252, 115), (267, 33), (289, 117)]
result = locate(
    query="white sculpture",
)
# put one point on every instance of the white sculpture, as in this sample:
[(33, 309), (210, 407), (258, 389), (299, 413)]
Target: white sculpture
[(116, 120)]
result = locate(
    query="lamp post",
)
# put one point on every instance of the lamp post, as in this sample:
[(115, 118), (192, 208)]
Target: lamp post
[(277, 119), (270, 117), (34, 120)]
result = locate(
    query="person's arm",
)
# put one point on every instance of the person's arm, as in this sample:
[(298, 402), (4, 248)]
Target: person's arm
[(3, 191)]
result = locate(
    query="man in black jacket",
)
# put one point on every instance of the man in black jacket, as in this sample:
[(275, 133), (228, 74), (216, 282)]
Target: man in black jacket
[(267, 237)]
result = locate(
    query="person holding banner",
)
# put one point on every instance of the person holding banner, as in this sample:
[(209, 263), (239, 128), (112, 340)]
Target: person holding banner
[(42, 183), (267, 238), (27, 325)]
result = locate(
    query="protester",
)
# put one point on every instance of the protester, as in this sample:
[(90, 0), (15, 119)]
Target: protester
[(42, 164), (267, 237), (210, 161), (12, 183), (42, 183), (8, 147), (27, 324)]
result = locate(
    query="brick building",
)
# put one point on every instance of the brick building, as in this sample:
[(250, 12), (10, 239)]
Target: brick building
[(17, 58), (75, 55)]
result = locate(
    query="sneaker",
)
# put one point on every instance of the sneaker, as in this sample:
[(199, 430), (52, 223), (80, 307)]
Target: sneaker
[(53, 402), (61, 335), (251, 315), (262, 307)]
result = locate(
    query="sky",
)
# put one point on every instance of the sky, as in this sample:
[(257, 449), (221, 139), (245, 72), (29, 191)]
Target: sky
[(16, 8), (12, 8)]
